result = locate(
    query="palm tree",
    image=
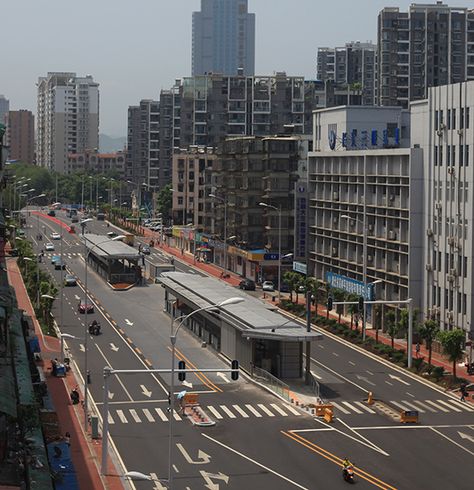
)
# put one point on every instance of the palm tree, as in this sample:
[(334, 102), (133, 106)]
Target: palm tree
[(392, 325), (452, 342), (339, 295), (353, 309), (291, 278), (428, 332)]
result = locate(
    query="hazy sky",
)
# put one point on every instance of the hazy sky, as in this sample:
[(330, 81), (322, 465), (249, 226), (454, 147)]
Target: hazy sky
[(134, 48)]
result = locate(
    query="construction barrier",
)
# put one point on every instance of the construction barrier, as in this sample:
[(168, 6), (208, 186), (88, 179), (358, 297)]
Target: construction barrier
[(328, 415), (409, 416), (321, 408), (370, 398)]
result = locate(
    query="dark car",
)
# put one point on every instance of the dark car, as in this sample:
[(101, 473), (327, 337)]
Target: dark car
[(145, 250), (247, 284), (82, 308), (51, 212), (284, 288), (59, 264)]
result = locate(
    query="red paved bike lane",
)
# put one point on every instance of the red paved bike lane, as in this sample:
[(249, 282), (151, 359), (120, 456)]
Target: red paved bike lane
[(85, 452)]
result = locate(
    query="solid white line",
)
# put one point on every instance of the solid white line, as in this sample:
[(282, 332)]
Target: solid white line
[(409, 394), (431, 402), (251, 409), (462, 405), (266, 468), (148, 415), (335, 354), (342, 409), (356, 410), (240, 411), (292, 410), (110, 419), (214, 412), (451, 440), (122, 417), (263, 408), (388, 382), (352, 363), (227, 411), (449, 406), (134, 415), (161, 414), (374, 446), (278, 409), (365, 407)]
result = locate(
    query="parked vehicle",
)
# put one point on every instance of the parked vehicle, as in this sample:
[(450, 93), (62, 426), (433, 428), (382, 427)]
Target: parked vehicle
[(75, 219), (247, 284), (268, 286), (100, 216), (284, 288)]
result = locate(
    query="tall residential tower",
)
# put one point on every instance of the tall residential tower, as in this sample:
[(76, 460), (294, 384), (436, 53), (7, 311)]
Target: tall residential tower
[(223, 38), (67, 118)]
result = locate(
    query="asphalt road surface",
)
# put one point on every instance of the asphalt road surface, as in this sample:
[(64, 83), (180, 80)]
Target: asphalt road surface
[(258, 442)]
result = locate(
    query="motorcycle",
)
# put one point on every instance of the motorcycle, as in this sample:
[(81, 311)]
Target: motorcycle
[(348, 474), (94, 328)]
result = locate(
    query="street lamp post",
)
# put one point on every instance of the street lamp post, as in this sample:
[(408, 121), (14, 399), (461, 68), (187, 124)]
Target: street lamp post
[(224, 201), (278, 210), (173, 336), (62, 337)]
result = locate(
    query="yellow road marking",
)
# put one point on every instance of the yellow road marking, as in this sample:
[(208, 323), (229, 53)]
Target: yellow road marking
[(148, 362), (337, 461), (129, 341), (138, 350)]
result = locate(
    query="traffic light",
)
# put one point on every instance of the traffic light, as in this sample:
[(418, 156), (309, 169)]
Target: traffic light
[(361, 303), (329, 303), (235, 373), (181, 370)]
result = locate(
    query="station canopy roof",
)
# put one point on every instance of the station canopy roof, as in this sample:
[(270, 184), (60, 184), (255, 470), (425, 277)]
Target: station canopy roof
[(106, 248), (252, 317)]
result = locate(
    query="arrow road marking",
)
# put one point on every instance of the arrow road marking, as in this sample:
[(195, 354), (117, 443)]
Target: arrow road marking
[(82, 348), (111, 395), (208, 477), (466, 436), (203, 458), (399, 379), (156, 482), (77, 297), (224, 377), (128, 322), (145, 391), (114, 347), (362, 378), (187, 384)]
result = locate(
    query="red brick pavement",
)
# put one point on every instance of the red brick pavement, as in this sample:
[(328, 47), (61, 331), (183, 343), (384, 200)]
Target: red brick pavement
[(84, 451)]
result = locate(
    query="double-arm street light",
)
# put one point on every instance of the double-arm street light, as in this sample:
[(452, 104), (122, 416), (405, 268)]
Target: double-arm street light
[(86, 303), (173, 336), (224, 201), (278, 210)]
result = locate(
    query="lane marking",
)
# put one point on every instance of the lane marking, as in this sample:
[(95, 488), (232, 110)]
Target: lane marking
[(292, 410), (251, 409), (122, 417), (214, 412), (388, 382), (161, 414), (335, 354), (449, 406), (462, 405), (399, 405), (227, 411), (425, 405), (352, 363), (264, 409), (342, 409), (278, 409), (409, 394), (439, 407), (176, 416), (134, 415), (365, 407), (453, 441), (373, 445), (240, 411), (260, 465), (356, 410)]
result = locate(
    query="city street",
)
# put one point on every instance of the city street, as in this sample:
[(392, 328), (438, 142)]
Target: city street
[(258, 441)]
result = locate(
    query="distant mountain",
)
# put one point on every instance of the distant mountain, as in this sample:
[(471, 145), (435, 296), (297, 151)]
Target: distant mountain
[(109, 144)]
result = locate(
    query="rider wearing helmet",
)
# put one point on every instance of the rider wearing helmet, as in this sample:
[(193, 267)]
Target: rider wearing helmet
[(346, 463)]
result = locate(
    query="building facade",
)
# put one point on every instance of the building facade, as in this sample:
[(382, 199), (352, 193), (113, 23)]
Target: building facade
[(366, 188), (442, 126), (223, 38), (353, 65), (4, 108), (67, 118), (21, 135), (428, 46), (93, 161)]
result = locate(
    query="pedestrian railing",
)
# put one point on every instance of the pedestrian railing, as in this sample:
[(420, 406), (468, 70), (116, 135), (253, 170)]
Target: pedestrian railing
[(271, 382), (316, 389)]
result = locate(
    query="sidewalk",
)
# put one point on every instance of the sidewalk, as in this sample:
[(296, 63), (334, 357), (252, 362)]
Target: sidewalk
[(85, 452)]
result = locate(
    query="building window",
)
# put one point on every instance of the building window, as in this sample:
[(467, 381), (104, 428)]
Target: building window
[(180, 201), (449, 119), (454, 119), (436, 155), (466, 159), (467, 117), (440, 159), (448, 155), (436, 121), (453, 155), (461, 155), (461, 118)]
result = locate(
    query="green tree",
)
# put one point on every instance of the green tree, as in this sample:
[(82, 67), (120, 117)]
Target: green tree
[(292, 279), (164, 202), (339, 295), (452, 342), (392, 325), (429, 330), (353, 309)]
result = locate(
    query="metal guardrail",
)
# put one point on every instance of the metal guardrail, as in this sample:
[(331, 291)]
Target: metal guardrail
[(316, 388), (273, 383)]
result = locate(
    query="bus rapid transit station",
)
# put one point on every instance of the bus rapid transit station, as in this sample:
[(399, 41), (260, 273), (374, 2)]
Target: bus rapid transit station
[(115, 261), (252, 331)]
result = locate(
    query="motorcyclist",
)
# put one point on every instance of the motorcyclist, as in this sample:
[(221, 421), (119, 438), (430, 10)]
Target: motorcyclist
[(346, 463)]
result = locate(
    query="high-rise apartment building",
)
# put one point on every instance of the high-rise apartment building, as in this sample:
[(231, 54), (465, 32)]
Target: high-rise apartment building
[(67, 118), (428, 46), (21, 135), (4, 108), (353, 65), (143, 143), (223, 38)]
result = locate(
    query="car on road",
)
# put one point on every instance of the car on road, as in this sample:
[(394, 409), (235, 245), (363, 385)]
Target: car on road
[(83, 307), (145, 250), (70, 280), (59, 264), (55, 258), (49, 247), (268, 286), (247, 285), (55, 236)]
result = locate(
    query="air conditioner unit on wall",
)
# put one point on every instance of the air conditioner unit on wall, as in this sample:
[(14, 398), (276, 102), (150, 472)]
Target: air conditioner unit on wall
[(450, 278), (451, 170), (429, 232), (334, 251), (392, 235), (461, 132), (439, 132), (370, 258), (451, 241), (371, 228), (429, 267)]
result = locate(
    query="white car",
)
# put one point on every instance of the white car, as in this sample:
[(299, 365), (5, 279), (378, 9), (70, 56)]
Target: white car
[(268, 286), (49, 247), (55, 236)]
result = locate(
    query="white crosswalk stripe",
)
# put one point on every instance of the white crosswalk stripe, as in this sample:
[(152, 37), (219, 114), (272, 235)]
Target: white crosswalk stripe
[(176, 416), (148, 415), (425, 405), (436, 405), (122, 417), (265, 409), (227, 411), (449, 406), (292, 410), (340, 408), (244, 414), (354, 409), (161, 414), (252, 410), (278, 409), (399, 405), (364, 407), (214, 412), (463, 405), (110, 419), (135, 416)]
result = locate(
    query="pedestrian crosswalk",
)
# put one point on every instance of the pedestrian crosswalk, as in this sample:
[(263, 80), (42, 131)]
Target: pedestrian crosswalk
[(447, 405), (217, 412), (65, 254)]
